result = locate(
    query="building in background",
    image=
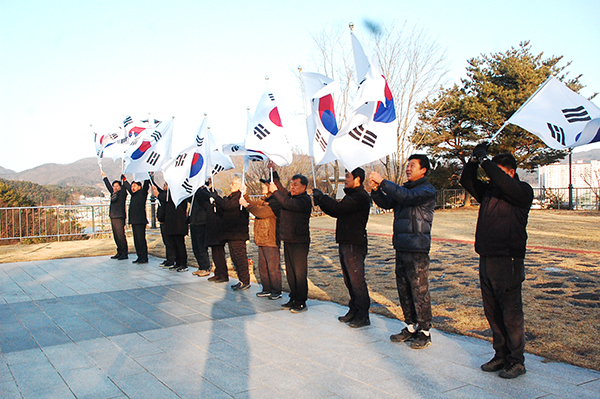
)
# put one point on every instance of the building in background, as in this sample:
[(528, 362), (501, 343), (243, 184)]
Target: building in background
[(584, 175)]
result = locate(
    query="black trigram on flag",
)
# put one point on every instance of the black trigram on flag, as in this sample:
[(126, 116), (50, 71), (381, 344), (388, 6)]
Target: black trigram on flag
[(271, 97), (156, 135), (199, 141), (235, 148), (218, 168), (180, 159), (127, 121), (187, 186), (153, 158), (261, 132), (320, 140), (578, 114), (255, 158), (557, 132), (363, 136)]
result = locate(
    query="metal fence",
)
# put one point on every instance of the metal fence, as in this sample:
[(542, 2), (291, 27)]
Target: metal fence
[(72, 222)]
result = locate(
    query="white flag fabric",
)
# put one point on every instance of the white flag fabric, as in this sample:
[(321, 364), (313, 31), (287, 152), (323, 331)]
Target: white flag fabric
[(188, 171), (110, 145), (370, 132), (321, 123), (220, 162), (268, 135), (149, 151), (559, 116)]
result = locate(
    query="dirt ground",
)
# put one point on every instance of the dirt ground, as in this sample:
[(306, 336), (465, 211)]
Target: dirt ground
[(561, 291)]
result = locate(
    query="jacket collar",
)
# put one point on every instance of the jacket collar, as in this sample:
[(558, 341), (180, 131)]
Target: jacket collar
[(412, 184)]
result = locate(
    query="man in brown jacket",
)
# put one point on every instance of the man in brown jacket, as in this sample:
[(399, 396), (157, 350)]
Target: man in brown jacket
[(266, 237)]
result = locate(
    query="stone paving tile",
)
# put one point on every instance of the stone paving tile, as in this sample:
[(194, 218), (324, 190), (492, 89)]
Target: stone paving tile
[(90, 383), (162, 334)]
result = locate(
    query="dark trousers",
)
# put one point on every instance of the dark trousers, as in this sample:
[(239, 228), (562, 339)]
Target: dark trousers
[(352, 259), (139, 240), (239, 258), (269, 269), (501, 278), (296, 270), (412, 280), (177, 243), (218, 257), (118, 229), (169, 250), (198, 238)]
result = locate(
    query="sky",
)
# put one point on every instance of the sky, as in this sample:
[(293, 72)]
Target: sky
[(69, 64)]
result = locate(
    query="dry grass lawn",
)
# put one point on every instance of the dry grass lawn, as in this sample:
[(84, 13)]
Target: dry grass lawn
[(561, 291)]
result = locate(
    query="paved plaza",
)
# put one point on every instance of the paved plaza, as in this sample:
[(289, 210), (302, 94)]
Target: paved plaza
[(100, 328)]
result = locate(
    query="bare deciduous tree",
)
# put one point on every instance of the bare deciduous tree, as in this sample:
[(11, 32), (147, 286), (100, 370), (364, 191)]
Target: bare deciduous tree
[(412, 62)]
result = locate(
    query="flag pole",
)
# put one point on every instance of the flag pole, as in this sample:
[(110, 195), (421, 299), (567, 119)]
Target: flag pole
[(522, 106), (312, 158)]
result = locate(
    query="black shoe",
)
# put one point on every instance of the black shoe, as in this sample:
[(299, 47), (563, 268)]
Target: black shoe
[(166, 265), (300, 307), (263, 294), (217, 279), (358, 323), (512, 370), (173, 268), (123, 257), (403, 336), (164, 262), (115, 256), (182, 269), (421, 341), (240, 286), (136, 261), (142, 261), (495, 364), (347, 317), (288, 305), (274, 296)]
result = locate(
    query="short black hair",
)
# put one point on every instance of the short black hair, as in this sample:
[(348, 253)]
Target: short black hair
[(118, 182), (423, 161), (303, 179), (505, 159), (360, 173)]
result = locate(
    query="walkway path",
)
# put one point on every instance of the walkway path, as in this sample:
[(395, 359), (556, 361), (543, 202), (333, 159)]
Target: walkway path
[(95, 327)]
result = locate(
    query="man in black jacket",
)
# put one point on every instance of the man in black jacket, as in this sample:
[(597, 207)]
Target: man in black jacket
[(235, 231), (500, 241), (413, 204), (117, 215), (137, 217), (198, 234), (352, 214), (175, 226), (296, 207)]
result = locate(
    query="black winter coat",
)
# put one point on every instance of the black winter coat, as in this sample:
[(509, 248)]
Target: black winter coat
[(235, 220), (294, 216), (117, 201), (503, 212), (137, 203), (413, 204), (214, 218), (176, 222), (352, 214)]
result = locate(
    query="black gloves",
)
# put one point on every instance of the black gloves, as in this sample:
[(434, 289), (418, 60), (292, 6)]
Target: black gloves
[(317, 195), (480, 152)]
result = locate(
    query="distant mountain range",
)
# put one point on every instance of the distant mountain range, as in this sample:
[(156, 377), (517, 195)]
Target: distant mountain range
[(86, 172)]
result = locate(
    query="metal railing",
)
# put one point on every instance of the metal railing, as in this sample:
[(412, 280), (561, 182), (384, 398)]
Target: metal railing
[(72, 222)]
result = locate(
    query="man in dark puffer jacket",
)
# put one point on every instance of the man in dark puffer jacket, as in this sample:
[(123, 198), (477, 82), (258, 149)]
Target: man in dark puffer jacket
[(413, 204), (500, 241), (352, 214)]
